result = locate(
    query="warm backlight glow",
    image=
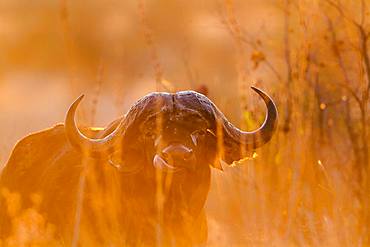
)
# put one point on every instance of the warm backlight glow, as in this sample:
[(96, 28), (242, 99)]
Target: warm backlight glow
[(176, 181)]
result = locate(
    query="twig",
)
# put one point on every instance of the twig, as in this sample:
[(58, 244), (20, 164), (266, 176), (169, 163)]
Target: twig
[(148, 35), (341, 12), (99, 83), (337, 54), (288, 63)]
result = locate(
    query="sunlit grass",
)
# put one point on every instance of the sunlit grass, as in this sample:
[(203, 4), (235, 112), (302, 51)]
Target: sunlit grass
[(308, 187)]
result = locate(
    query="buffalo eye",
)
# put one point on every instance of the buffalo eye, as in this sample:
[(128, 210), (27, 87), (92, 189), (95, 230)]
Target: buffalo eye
[(197, 136), (157, 140), (150, 136)]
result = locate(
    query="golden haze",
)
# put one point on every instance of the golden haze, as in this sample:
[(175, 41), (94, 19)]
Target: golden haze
[(308, 187)]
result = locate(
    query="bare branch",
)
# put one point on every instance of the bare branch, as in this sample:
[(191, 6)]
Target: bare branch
[(363, 12), (340, 61), (342, 13)]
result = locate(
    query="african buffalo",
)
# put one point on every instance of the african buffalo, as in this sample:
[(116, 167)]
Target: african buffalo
[(141, 181)]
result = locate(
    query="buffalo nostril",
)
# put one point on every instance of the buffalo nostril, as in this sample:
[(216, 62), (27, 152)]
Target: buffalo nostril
[(178, 155), (177, 152), (166, 156)]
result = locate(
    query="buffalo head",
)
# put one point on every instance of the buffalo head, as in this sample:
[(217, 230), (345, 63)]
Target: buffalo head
[(173, 132)]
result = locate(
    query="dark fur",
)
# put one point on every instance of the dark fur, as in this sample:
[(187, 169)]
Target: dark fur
[(146, 206)]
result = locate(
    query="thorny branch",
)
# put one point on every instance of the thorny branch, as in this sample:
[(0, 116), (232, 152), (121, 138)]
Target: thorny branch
[(362, 100), (360, 143), (341, 64), (243, 38), (364, 37)]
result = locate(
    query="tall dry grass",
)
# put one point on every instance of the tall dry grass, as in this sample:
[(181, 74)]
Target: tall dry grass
[(310, 185)]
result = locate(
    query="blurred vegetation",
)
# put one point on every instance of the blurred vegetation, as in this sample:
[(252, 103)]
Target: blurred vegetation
[(309, 187)]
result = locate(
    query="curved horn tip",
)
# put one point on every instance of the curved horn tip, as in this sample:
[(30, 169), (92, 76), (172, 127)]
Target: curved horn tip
[(78, 100), (73, 108), (257, 90), (261, 93), (88, 145)]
